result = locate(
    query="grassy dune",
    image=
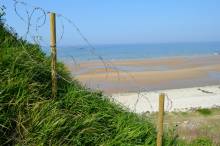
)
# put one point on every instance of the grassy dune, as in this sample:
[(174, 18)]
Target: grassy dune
[(77, 116)]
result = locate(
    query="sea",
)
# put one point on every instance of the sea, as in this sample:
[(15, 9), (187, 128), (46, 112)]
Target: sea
[(135, 51), (114, 52)]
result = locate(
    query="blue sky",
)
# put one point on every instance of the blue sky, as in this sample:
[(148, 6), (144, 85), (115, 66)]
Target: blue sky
[(131, 21)]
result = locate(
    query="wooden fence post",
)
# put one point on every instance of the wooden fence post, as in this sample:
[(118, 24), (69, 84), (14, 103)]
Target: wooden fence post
[(53, 53), (160, 120)]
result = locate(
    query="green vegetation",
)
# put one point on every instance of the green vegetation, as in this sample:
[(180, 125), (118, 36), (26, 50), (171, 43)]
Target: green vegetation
[(204, 111), (192, 127), (77, 116), (197, 142)]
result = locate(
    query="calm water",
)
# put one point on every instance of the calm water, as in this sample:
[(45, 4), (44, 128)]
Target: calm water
[(141, 51), (136, 51)]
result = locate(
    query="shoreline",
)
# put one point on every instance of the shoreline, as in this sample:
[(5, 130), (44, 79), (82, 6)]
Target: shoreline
[(183, 99), (148, 74), (141, 59), (189, 82)]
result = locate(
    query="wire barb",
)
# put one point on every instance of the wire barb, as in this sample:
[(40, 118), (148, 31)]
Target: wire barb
[(38, 22)]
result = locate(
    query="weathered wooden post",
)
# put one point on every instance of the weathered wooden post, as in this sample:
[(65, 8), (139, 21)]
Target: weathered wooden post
[(160, 120), (53, 53)]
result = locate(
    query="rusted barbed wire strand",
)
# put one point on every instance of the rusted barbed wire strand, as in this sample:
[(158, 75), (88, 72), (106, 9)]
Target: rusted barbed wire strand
[(107, 64), (37, 39), (28, 31), (92, 51), (29, 16)]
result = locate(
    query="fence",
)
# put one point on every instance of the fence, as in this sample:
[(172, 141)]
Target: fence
[(54, 81), (108, 65)]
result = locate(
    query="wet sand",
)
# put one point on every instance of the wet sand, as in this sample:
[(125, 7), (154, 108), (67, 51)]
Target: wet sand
[(148, 74)]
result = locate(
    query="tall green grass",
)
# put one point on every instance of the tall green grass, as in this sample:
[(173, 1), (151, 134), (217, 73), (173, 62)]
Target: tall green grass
[(77, 116)]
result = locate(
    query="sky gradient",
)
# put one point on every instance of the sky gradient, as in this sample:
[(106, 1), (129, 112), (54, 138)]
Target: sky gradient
[(130, 21)]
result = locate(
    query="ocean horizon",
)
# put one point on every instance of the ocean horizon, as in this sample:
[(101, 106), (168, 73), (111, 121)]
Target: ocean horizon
[(135, 51)]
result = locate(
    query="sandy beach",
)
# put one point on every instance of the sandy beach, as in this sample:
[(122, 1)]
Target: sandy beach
[(188, 82), (148, 74), (176, 99)]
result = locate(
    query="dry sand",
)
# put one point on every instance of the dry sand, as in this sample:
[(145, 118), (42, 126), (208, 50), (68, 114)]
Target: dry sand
[(176, 99)]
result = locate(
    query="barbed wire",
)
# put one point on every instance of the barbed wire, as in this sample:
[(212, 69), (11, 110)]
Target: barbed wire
[(169, 103), (40, 21)]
